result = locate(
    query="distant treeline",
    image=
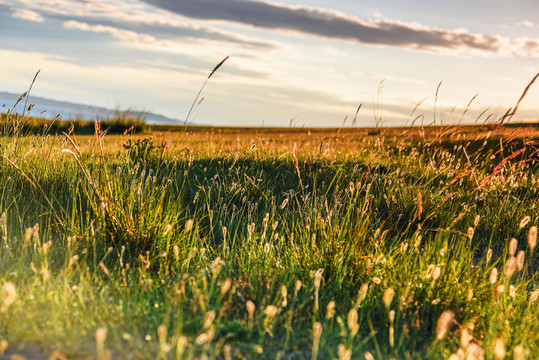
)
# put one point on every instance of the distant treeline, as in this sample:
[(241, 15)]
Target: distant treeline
[(119, 123)]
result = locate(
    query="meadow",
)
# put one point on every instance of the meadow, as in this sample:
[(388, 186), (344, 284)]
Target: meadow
[(224, 243)]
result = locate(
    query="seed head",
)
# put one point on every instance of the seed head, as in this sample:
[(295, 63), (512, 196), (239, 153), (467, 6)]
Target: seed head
[(471, 232), (510, 266), (525, 220), (489, 255), (499, 349), (362, 294), (330, 310), (469, 296), (512, 291), (352, 322), (250, 307), (271, 311), (532, 237), (284, 294), (188, 225), (436, 273), (444, 324), (101, 335), (317, 329), (8, 294), (226, 286), (368, 356), (534, 295), (208, 319), (493, 278), (388, 297), (298, 285), (318, 278), (520, 260), (519, 353), (513, 244)]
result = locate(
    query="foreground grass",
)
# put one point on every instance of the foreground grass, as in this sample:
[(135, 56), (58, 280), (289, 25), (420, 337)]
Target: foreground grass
[(230, 244)]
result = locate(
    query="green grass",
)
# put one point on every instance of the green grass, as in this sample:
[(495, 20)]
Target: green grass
[(252, 244)]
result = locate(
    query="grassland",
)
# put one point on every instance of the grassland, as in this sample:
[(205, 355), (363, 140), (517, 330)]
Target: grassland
[(271, 243)]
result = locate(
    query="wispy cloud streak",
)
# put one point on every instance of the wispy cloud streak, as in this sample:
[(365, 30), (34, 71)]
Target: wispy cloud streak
[(332, 24)]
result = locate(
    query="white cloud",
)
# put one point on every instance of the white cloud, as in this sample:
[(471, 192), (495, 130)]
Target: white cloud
[(121, 34), (526, 23), (336, 25), (27, 15)]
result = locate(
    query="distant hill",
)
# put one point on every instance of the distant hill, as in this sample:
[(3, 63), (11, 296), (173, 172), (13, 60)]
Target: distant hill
[(49, 109)]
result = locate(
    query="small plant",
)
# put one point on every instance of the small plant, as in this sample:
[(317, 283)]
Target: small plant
[(144, 149)]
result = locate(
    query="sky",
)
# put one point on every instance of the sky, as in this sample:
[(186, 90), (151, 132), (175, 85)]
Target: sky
[(292, 62)]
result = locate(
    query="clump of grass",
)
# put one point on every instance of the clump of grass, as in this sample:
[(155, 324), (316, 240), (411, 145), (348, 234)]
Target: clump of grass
[(299, 244)]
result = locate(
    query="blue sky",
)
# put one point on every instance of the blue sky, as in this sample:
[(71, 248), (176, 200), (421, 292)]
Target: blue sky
[(310, 61)]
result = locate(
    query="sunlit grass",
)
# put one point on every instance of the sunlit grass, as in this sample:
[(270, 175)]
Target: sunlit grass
[(289, 244)]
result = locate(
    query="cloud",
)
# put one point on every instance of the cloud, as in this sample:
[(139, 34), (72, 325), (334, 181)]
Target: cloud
[(27, 15), (121, 34), (332, 24), (133, 17), (526, 23)]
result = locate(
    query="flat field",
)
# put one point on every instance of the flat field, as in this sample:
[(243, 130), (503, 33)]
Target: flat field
[(222, 243)]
